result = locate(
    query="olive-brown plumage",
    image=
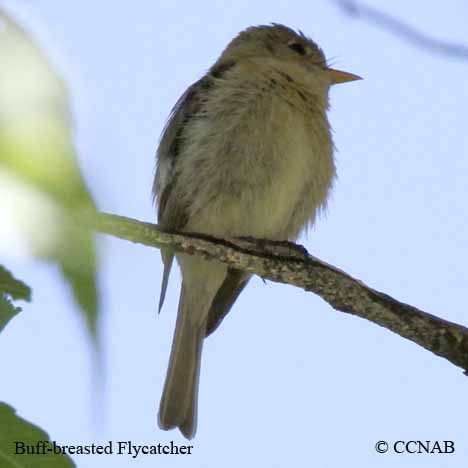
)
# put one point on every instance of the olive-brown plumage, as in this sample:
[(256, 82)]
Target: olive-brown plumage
[(247, 151)]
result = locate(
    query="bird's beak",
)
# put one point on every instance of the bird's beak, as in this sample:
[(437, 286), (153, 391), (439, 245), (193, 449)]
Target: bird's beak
[(338, 76)]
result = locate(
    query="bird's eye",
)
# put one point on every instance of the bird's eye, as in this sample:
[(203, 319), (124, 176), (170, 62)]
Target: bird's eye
[(299, 48)]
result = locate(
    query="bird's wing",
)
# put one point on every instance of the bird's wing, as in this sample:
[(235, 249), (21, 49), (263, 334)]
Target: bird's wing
[(172, 213), (234, 283)]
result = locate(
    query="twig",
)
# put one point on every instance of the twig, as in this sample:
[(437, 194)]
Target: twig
[(289, 263), (403, 30)]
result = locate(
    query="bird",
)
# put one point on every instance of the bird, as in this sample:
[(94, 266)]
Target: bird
[(246, 151)]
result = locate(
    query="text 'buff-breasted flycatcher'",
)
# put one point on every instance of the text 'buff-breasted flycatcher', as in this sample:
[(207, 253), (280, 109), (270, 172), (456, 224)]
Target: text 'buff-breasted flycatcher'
[(247, 151)]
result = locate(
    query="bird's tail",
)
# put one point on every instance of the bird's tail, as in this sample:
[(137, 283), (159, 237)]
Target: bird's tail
[(178, 407)]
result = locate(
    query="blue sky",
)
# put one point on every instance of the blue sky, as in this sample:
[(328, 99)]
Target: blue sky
[(286, 380)]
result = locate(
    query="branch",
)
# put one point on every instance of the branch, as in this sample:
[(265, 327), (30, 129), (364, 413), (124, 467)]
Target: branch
[(403, 30), (285, 262)]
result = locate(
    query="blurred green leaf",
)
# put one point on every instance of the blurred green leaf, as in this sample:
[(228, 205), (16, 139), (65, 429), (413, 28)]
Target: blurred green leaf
[(10, 288), (7, 310), (42, 192), (15, 429)]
